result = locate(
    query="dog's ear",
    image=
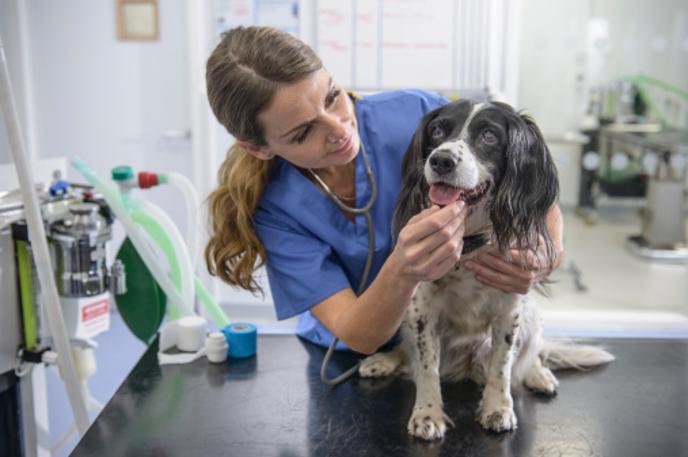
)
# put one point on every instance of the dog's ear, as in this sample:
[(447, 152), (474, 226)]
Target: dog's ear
[(527, 190), (414, 190)]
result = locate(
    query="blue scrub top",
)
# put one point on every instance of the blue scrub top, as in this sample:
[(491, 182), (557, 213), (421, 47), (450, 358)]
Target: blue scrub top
[(313, 250)]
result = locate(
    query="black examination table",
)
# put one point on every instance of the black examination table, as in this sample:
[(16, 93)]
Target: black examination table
[(275, 405)]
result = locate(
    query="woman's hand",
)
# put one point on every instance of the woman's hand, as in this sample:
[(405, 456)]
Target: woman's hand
[(517, 270), (431, 242)]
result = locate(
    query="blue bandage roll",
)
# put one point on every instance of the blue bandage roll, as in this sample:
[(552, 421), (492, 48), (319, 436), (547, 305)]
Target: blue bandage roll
[(242, 339)]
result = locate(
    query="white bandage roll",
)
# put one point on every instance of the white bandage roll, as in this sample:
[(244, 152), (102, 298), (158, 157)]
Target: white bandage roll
[(191, 333)]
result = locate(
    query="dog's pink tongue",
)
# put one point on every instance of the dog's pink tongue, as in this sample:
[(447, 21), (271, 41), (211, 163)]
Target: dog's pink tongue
[(442, 194)]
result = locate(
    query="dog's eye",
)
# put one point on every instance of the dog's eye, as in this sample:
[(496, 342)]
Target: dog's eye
[(437, 133), (489, 137)]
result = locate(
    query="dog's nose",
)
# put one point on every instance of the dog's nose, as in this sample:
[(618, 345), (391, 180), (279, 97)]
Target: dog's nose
[(442, 162)]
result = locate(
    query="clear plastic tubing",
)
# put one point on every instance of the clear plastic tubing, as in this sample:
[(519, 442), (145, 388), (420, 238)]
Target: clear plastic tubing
[(160, 236), (191, 200), (157, 233), (182, 253)]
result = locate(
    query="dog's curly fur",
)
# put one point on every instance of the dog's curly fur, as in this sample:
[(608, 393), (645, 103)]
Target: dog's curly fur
[(456, 327)]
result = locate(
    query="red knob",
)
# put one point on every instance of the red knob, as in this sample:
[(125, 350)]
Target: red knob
[(147, 179)]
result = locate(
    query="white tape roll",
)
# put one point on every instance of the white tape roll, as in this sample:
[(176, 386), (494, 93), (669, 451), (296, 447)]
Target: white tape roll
[(191, 333)]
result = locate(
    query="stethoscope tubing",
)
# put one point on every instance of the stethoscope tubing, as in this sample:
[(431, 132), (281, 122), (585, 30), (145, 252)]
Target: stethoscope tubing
[(365, 211)]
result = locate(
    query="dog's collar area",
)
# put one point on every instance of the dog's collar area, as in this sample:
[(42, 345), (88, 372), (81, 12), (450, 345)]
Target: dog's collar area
[(473, 242)]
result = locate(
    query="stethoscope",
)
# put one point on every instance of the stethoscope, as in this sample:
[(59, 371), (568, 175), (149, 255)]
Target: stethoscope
[(365, 210)]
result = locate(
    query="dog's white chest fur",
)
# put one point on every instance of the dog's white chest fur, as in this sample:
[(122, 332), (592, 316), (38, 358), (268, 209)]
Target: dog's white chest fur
[(465, 306), (463, 315)]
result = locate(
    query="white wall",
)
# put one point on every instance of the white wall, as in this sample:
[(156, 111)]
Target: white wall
[(11, 38), (106, 100), (552, 62)]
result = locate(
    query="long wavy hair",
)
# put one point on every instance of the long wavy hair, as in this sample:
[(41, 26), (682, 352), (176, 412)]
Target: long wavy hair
[(242, 75)]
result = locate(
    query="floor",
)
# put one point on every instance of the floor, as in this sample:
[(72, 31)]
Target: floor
[(623, 293)]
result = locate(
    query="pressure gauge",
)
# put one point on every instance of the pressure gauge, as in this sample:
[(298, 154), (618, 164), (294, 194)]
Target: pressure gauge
[(620, 161), (591, 160)]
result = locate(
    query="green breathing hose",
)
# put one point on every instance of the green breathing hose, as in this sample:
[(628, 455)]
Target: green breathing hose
[(156, 232), (210, 304), (162, 239), (643, 82)]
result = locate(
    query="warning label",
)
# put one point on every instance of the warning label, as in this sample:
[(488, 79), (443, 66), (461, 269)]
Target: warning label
[(94, 310)]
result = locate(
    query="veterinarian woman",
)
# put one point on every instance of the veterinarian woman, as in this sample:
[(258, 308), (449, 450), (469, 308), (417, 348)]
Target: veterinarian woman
[(298, 133)]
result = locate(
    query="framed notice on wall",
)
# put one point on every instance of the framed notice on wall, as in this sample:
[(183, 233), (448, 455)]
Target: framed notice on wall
[(137, 20)]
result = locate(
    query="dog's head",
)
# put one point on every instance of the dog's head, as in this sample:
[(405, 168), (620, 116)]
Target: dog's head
[(481, 153)]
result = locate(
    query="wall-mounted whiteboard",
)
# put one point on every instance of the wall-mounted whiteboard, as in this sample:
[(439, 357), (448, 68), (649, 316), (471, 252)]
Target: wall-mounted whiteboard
[(448, 45), (335, 39)]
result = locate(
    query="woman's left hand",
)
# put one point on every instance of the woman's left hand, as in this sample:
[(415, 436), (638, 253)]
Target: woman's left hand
[(514, 272)]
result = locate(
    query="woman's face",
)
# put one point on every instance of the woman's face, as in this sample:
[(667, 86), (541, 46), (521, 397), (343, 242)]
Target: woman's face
[(310, 123)]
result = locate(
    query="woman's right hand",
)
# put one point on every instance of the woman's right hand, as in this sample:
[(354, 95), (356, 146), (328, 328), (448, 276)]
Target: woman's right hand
[(431, 242)]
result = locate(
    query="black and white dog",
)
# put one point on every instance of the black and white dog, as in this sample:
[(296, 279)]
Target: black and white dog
[(496, 160)]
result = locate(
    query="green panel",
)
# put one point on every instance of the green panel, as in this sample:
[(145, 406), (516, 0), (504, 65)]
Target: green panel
[(26, 294)]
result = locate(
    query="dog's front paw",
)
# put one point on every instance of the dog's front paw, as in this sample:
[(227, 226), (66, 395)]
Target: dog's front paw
[(502, 419), (378, 365), (428, 423)]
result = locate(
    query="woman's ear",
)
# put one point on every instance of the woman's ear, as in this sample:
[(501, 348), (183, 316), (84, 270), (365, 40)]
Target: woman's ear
[(256, 151)]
